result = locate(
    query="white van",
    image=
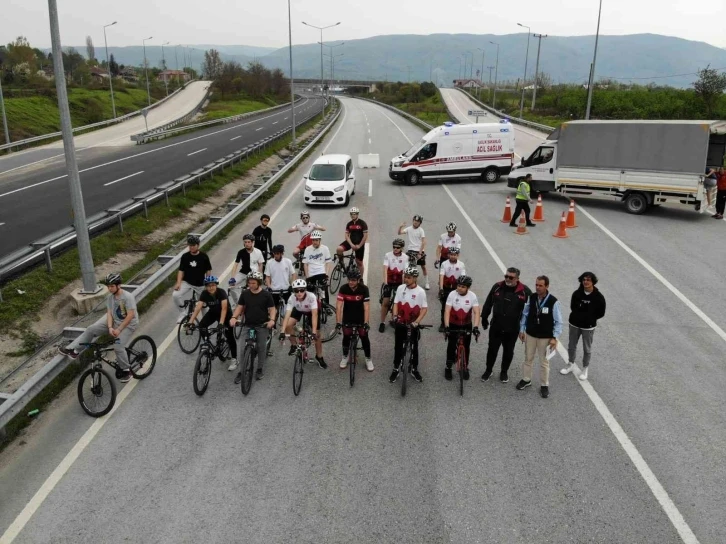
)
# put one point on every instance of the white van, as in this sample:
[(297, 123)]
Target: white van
[(331, 180), (483, 150)]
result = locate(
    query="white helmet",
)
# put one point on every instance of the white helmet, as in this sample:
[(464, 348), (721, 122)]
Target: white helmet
[(304, 213), (255, 275), (411, 271), (299, 284), (316, 235), (354, 210), (451, 226)]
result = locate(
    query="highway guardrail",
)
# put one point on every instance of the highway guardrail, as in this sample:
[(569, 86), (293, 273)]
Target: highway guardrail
[(515, 120)]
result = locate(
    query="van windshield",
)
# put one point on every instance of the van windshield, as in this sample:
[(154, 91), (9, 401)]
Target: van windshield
[(327, 172), (415, 148)]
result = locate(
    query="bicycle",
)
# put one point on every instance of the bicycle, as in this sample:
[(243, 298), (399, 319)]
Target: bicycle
[(234, 291), (462, 365), (207, 352), (406, 365), (341, 269), (326, 315), (304, 340), (248, 359), (353, 348), (95, 382), (187, 339), (389, 314)]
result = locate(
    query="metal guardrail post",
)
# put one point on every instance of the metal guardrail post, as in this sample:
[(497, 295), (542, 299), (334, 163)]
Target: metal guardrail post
[(48, 262)]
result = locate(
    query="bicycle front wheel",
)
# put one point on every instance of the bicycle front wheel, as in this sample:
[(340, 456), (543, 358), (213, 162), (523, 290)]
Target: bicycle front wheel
[(327, 330), (405, 368), (96, 392), (352, 359), (202, 372), (297, 373), (461, 367), (142, 356), (248, 367), (336, 277), (188, 339)]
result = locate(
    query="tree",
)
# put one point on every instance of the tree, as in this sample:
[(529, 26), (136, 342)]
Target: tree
[(19, 52), (90, 50), (709, 88), (213, 65), (72, 61), (113, 67)]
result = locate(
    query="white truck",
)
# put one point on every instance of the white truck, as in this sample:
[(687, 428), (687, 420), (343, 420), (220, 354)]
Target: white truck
[(643, 163), (484, 150)]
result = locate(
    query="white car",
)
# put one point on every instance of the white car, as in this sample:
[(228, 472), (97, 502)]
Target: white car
[(331, 180)]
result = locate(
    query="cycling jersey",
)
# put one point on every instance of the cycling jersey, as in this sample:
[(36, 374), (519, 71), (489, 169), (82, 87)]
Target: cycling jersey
[(356, 230), (395, 265), (462, 307), (354, 303), (451, 272), (304, 306), (447, 242), (410, 303), (304, 229), (415, 238)]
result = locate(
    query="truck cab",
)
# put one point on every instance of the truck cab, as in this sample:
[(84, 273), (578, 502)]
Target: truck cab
[(542, 164)]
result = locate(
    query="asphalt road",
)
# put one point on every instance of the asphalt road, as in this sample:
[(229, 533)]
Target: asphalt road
[(35, 201), (364, 465)]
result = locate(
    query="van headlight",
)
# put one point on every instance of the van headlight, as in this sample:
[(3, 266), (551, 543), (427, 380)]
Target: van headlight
[(397, 164), (308, 188), (337, 189)]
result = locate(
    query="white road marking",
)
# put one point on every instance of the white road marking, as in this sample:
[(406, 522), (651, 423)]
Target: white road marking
[(1, 224), (366, 257), (34, 185), (370, 187), (45, 489), (640, 464), (195, 152), (275, 122), (369, 141), (121, 179), (286, 118), (231, 139), (257, 129)]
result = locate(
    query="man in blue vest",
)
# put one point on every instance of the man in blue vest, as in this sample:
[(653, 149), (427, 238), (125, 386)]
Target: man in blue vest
[(523, 199), (539, 328)]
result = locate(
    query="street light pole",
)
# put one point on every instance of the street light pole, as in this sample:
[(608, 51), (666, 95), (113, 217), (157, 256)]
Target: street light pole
[(146, 70), (176, 56), (496, 76), (108, 65), (592, 70), (74, 180), (481, 72), (2, 110), (536, 70), (322, 77), (163, 63), (292, 81), (490, 82), (524, 79)]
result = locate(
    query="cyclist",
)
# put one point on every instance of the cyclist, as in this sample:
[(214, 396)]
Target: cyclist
[(417, 243), (448, 240), (304, 228), (356, 236), (193, 268), (260, 313), (248, 259), (394, 263), (120, 321), (303, 303), (263, 237), (279, 274), (353, 308), (462, 314), (409, 307), (215, 299), (449, 272), (317, 263)]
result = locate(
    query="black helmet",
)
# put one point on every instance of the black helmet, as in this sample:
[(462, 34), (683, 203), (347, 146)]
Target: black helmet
[(279, 248), (114, 278), (193, 240), (454, 251), (248, 237), (465, 281), (398, 242), (418, 218), (353, 273)]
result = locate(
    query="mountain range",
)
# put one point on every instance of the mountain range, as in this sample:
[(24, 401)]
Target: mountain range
[(636, 58)]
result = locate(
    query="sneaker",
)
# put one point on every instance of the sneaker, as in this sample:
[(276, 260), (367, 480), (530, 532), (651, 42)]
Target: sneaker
[(512, 225), (583, 374), (447, 373), (569, 368), (504, 377), (531, 224), (259, 374), (486, 375), (292, 350), (270, 353), (381, 327), (415, 374), (238, 378), (428, 287), (321, 362), (369, 365), (124, 376), (69, 352), (466, 374), (344, 362), (522, 384), (441, 328), (233, 365), (544, 391), (181, 316), (394, 375)]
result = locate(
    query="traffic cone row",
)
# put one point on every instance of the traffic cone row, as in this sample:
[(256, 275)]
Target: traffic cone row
[(566, 222)]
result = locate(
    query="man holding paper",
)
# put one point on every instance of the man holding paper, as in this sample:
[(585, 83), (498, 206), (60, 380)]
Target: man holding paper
[(539, 328)]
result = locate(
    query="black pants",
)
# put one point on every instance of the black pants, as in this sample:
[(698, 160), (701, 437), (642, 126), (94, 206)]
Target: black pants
[(447, 292), (720, 201), (285, 296), (400, 340), (507, 340), (522, 206), (454, 342), (364, 340), (312, 282), (210, 319)]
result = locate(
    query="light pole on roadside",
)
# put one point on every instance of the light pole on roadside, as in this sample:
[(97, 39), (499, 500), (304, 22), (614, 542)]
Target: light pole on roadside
[(490, 82), (322, 77), (331, 56), (496, 76), (332, 64), (2, 111), (481, 72), (146, 70), (163, 63), (536, 70), (592, 68), (108, 65), (524, 79), (74, 182), (292, 81)]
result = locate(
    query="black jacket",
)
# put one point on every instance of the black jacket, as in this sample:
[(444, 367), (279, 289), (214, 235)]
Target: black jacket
[(508, 304), (586, 309)]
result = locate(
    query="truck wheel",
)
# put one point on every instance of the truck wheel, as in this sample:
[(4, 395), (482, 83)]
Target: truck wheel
[(413, 177), (636, 203), (490, 175)]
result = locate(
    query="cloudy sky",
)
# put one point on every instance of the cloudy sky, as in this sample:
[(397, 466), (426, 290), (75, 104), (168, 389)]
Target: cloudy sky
[(264, 23)]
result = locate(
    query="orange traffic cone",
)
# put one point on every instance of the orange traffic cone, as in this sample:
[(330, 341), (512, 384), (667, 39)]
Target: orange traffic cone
[(522, 227), (539, 210), (507, 212), (571, 216), (561, 229)]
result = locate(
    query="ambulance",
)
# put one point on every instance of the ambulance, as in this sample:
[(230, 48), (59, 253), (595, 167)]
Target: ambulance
[(480, 150)]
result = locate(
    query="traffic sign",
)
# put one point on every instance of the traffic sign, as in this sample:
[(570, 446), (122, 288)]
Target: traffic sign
[(477, 113)]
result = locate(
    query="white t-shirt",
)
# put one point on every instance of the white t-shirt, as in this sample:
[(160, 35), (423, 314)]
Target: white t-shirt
[(316, 259), (451, 272), (415, 238), (448, 242), (279, 273), (306, 305), (304, 229), (461, 307)]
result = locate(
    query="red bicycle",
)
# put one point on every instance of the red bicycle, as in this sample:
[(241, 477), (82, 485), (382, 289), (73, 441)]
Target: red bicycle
[(462, 365)]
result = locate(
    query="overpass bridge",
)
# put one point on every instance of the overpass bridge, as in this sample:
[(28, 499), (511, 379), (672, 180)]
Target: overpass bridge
[(315, 83)]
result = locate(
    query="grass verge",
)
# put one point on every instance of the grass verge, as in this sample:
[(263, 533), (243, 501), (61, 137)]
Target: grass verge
[(220, 108)]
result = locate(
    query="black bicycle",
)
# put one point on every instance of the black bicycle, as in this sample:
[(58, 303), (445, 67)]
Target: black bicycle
[(392, 295), (305, 338), (248, 359), (406, 359), (207, 352), (96, 389), (341, 269), (326, 314), (234, 292), (188, 338), (353, 352)]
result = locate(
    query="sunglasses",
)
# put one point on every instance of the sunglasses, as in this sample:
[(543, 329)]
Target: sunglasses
[(299, 290), (508, 277)]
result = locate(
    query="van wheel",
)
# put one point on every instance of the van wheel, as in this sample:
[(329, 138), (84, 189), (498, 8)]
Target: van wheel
[(413, 177), (636, 203), (347, 199), (351, 194), (490, 175)]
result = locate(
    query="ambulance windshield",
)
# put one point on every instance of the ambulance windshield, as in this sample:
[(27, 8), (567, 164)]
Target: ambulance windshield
[(416, 147)]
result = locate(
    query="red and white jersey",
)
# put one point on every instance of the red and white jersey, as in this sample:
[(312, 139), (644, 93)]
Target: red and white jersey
[(306, 305), (462, 307), (451, 272), (395, 265), (447, 242), (410, 302), (304, 229)]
